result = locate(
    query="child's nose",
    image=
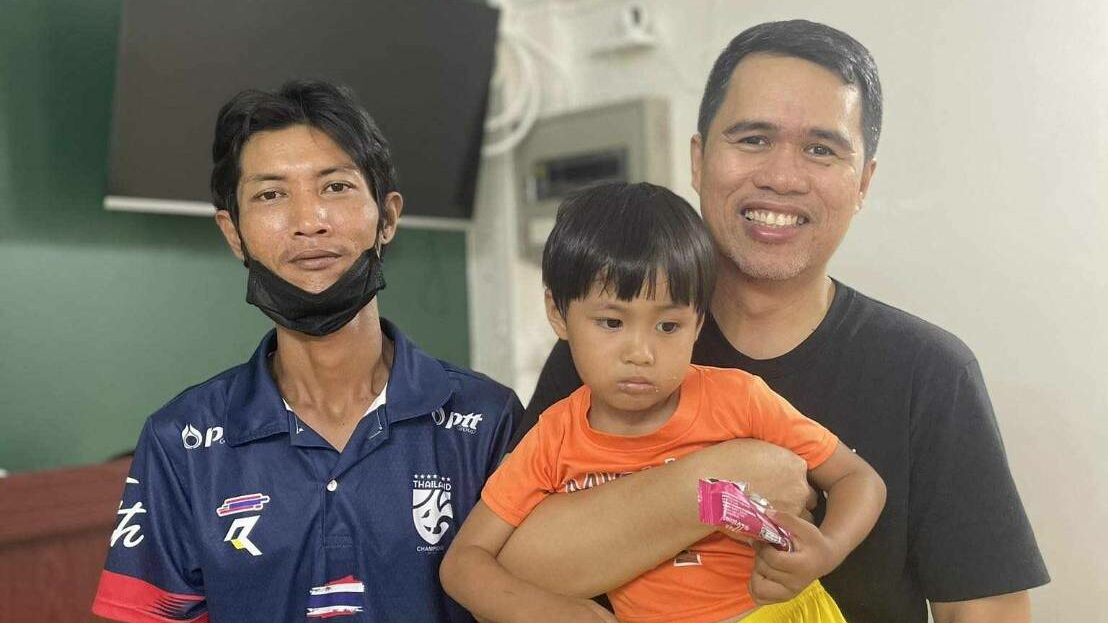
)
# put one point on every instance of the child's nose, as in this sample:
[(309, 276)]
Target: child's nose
[(638, 351)]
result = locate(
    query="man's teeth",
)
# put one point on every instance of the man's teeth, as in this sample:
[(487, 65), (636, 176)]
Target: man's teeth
[(774, 219)]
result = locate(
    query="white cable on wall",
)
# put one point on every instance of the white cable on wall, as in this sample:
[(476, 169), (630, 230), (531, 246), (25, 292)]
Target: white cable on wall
[(510, 75), (516, 80), (522, 109)]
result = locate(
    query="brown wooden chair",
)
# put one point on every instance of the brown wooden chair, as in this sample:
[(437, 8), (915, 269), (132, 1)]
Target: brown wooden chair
[(54, 531)]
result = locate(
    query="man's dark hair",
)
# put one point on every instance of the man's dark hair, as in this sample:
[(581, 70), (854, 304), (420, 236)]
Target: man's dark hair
[(328, 108), (626, 236), (823, 45)]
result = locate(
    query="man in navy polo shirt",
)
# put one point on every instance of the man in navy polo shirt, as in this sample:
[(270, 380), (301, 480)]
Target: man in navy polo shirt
[(325, 477)]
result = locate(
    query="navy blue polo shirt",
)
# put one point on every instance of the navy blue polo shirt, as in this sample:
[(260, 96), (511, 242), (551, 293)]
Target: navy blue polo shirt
[(236, 510)]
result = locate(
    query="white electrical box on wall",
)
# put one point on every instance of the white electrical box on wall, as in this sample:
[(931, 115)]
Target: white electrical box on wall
[(626, 141)]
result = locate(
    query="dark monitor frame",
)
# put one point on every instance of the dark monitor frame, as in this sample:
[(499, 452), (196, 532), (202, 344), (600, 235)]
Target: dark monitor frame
[(421, 67)]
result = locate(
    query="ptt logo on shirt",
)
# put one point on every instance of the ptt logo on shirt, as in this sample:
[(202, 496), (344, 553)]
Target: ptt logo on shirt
[(337, 598), (192, 439), (467, 422), (242, 504), (432, 513)]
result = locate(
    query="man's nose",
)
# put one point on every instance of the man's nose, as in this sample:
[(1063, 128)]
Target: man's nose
[(782, 172), (310, 215)]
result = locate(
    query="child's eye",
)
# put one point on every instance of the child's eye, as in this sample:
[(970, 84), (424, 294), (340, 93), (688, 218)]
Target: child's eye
[(668, 327), (610, 323)]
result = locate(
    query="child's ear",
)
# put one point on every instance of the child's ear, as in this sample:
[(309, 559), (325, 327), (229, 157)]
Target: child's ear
[(557, 321)]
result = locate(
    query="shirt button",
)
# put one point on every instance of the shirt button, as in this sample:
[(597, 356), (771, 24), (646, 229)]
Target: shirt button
[(331, 486)]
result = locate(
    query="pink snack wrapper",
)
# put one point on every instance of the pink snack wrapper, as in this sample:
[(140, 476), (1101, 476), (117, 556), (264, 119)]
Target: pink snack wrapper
[(727, 503)]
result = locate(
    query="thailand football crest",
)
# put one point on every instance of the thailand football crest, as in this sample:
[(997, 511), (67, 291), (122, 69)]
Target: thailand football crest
[(432, 512)]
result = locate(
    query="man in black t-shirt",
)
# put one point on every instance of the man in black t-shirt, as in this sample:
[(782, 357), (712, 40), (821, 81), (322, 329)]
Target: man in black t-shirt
[(782, 160)]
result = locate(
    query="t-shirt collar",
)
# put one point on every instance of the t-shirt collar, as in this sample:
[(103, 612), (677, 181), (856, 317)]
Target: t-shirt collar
[(713, 349), (418, 384)]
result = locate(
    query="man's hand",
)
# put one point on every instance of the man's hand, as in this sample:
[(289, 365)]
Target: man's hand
[(771, 471), (778, 576)]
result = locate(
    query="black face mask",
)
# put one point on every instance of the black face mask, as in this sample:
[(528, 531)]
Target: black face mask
[(316, 314)]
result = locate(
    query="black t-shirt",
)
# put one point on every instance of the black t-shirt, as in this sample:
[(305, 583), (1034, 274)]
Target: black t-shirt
[(910, 399)]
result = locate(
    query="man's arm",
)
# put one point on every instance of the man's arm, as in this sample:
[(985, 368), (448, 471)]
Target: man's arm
[(589, 542), (1009, 608), (153, 570), (965, 513)]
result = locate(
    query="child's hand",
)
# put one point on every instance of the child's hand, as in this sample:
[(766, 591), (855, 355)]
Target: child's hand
[(779, 576)]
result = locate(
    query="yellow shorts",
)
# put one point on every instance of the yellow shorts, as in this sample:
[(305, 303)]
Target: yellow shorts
[(811, 605)]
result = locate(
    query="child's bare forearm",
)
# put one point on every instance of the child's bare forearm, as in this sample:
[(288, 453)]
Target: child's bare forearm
[(853, 506), (855, 497)]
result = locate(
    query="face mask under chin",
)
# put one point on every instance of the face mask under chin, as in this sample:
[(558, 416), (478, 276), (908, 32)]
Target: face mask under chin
[(315, 314)]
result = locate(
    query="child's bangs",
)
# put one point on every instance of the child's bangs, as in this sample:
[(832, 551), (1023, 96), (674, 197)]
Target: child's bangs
[(631, 277)]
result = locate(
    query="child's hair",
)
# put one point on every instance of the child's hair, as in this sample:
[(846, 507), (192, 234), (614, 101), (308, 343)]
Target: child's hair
[(624, 236)]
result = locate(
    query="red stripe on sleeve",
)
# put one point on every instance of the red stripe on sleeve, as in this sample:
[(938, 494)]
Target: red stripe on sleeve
[(124, 598)]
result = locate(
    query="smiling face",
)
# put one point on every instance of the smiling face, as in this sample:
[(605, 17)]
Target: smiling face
[(306, 211), (781, 171), (633, 354)]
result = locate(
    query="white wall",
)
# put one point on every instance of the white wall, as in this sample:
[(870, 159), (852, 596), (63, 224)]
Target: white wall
[(988, 215)]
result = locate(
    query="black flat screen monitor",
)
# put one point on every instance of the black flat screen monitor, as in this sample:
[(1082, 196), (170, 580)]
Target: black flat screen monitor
[(421, 68)]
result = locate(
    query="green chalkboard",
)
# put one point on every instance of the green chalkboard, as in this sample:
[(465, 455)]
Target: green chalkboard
[(105, 316)]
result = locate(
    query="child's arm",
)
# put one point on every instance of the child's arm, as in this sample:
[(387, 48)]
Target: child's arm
[(855, 497), (472, 576)]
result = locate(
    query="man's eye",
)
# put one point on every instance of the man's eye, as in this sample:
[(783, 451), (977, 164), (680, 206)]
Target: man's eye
[(754, 140), (337, 187), (820, 150), (268, 195), (668, 327)]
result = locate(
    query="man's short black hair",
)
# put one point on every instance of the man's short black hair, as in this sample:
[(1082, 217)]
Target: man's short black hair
[(328, 108), (626, 237), (823, 45)]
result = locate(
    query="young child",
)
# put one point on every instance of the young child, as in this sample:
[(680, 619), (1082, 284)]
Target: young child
[(629, 272)]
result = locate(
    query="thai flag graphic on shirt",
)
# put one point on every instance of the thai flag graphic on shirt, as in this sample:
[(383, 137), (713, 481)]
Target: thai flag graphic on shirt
[(242, 504), (341, 597)]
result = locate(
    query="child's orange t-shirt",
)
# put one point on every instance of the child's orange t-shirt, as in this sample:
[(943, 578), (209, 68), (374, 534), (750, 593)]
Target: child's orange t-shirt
[(562, 454)]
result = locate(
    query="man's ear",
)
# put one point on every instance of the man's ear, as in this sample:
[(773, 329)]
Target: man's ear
[(394, 205), (557, 321), (696, 157), (230, 233), (867, 176)]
